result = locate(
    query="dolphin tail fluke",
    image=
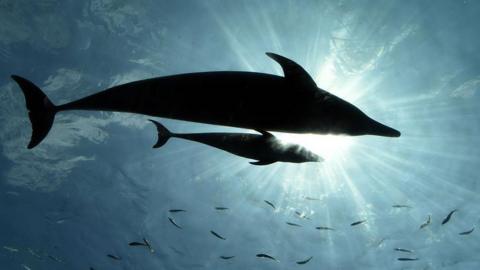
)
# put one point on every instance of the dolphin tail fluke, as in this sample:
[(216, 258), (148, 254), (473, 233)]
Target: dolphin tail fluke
[(41, 110), (163, 134)]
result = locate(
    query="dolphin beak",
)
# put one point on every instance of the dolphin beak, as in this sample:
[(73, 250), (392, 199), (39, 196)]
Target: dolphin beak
[(376, 128)]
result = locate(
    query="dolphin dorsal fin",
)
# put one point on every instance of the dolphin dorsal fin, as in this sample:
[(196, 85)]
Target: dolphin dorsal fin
[(265, 133), (293, 71)]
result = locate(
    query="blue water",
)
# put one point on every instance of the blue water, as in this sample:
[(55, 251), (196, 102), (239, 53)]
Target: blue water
[(95, 184)]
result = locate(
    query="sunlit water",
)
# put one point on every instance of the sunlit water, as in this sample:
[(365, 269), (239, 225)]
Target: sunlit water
[(95, 184)]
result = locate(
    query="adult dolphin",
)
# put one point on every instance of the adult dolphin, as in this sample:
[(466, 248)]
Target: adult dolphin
[(292, 103), (265, 148)]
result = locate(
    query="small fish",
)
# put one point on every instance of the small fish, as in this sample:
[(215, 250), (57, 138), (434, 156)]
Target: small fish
[(114, 257), (91, 268), (403, 250), (407, 259), (217, 235), (26, 267), (144, 244), (227, 257), (176, 210), (269, 203), (176, 251), (54, 258), (173, 222), (325, 228), (448, 216), (467, 232), (426, 223), (11, 249), (305, 261), (401, 206), (221, 208), (358, 222), (261, 255), (301, 215), (311, 199), (35, 254), (294, 224)]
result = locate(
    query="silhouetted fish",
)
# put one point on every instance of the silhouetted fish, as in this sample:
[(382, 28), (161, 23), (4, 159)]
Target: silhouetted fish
[(262, 255), (269, 203), (174, 223), (294, 224), (448, 217), (324, 228), (301, 215), (55, 258), (358, 222), (221, 208), (401, 206), (403, 250), (311, 198), (467, 232), (176, 210), (305, 261), (114, 257), (230, 98), (11, 249), (407, 259), (426, 223), (264, 148), (217, 235), (145, 243), (227, 257)]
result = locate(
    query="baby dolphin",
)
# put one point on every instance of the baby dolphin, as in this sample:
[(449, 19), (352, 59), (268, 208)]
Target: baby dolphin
[(448, 216), (264, 148), (262, 255), (290, 103)]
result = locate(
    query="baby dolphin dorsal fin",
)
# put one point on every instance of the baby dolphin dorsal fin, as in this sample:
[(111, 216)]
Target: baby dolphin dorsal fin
[(293, 72), (265, 133)]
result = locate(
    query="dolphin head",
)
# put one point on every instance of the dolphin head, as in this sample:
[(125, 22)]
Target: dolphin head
[(338, 116)]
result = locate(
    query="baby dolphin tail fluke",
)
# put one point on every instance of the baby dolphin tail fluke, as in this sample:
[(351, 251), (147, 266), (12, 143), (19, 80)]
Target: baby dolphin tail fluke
[(264, 148), (231, 98)]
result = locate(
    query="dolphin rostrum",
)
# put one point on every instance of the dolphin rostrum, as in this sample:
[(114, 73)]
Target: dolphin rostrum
[(264, 148), (292, 103)]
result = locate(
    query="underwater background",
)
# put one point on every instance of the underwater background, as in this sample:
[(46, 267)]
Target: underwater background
[(95, 183)]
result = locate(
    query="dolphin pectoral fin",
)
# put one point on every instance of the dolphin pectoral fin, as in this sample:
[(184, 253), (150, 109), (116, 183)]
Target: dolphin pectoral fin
[(262, 162), (294, 72), (265, 133)]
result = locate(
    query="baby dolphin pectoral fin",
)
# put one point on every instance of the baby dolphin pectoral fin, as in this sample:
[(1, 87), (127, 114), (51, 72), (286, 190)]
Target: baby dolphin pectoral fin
[(41, 110), (163, 134), (305, 261), (262, 162)]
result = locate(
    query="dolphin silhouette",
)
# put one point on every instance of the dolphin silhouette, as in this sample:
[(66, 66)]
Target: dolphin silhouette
[(264, 148), (292, 103)]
